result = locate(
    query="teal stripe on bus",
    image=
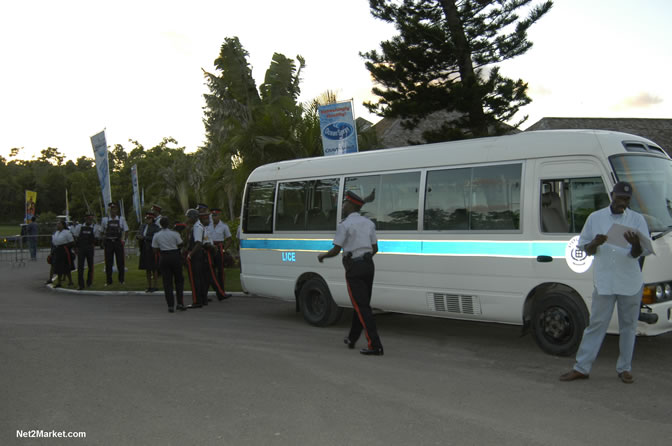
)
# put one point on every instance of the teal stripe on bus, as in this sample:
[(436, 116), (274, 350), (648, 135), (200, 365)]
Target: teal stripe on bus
[(425, 247)]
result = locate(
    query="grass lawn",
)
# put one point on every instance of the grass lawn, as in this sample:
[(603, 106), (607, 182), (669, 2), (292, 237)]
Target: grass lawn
[(6, 230), (135, 279)]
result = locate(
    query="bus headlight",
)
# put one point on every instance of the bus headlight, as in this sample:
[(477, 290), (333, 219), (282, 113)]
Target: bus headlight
[(668, 291), (659, 293)]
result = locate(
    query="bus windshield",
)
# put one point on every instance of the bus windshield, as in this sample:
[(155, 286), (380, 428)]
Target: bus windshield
[(651, 177)]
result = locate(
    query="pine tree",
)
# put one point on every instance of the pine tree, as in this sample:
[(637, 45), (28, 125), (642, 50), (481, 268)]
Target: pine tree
[(444, 59)]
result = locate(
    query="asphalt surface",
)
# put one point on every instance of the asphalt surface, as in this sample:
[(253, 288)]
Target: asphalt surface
[(250, 371)]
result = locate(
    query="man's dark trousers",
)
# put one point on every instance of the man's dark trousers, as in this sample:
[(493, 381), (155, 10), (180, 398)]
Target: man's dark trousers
[(359, 277), (170, 266), (200, 270), (114, 249), (84, 254)]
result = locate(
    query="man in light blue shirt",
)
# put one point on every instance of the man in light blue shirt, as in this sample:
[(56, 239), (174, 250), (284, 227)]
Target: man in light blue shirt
[(618, 281)]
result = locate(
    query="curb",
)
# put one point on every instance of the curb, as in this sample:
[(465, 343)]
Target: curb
[(128, 293)]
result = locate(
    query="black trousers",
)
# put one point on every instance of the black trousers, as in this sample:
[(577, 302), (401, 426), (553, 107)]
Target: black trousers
[(85, 253), (359, 277), (218, 268), (200, 273), (114, 250), (170, 266)]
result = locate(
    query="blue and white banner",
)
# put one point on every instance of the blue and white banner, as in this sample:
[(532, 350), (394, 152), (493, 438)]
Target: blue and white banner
[(338, 129), (136, 193), (99, 144)]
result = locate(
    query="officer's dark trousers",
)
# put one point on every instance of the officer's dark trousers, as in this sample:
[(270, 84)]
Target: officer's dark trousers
[(200, 273), (359, 277), (218, 268), (170, 266), (85, 254), (114, 250)]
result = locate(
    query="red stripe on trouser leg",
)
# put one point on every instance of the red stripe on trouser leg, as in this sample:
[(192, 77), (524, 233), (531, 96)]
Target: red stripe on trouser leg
[(191, 281), (359, 313), (214, 276)]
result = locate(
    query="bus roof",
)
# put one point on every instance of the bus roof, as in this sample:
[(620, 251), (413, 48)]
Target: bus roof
[(525, 145)]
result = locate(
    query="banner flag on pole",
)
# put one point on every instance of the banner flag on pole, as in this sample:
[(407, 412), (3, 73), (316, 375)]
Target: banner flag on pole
[(136, 193), (99, 144), (338, 128), (31, 205), (67, 207)]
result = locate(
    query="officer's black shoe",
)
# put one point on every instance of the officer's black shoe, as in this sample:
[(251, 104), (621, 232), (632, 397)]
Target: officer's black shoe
[(348, 342), (81, 288), (181, 308), (372, 351), (194, 306), (170, 310)]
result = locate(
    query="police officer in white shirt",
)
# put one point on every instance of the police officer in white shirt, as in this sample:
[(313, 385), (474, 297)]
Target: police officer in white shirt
[(86, 235), (197, 259), (220, 235), (356, 235), (114, 234), (618, 281), (167, 243)]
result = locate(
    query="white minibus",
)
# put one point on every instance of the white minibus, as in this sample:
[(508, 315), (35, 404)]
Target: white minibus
[(481, 229)]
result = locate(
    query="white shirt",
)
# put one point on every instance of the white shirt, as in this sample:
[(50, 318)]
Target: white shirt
[(356, 234), (220, 232), (62, 237), (201, 234), (166, 240), (616, 271)]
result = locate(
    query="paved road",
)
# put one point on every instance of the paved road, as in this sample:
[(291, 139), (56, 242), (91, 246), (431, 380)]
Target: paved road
[(249, 371)]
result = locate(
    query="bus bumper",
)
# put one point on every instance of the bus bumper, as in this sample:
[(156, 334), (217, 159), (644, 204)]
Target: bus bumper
[(663, 324)]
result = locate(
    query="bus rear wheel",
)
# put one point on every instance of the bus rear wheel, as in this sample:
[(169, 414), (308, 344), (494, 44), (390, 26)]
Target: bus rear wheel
[(558, 322), (317, 305)]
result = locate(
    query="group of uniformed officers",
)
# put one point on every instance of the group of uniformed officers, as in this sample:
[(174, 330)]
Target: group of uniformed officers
[(201, 244)]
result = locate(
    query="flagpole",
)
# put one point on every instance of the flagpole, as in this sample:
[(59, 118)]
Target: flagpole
[(67, 206)]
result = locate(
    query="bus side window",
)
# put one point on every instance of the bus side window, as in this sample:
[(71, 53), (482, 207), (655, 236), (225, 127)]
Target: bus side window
[(290, 215), (567, 203), (390, 200), (258, 216), (322, 204), (474, 198)]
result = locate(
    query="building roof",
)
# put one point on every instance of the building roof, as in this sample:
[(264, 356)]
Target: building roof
[(390, 132), (657, 130)]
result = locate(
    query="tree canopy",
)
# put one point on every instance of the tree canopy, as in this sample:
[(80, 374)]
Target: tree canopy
[(444, 59)]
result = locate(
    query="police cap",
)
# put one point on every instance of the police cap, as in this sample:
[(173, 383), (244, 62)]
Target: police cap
[(191, 213), (354, 198)]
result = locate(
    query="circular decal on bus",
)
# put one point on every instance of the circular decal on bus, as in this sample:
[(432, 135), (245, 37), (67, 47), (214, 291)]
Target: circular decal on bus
[(577, 260)]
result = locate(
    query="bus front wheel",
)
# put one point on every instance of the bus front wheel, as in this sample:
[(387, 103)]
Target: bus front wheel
[(558, 322), (317, 305)]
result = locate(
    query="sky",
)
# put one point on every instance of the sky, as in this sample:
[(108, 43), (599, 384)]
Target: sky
[(72, 68)]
